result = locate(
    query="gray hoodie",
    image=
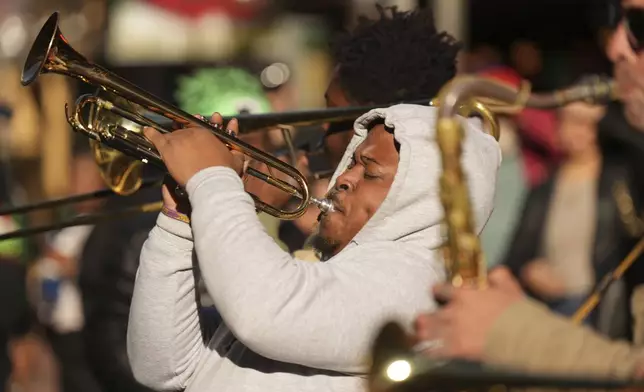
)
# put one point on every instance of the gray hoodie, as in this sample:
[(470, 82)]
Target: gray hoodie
[(290, 325)]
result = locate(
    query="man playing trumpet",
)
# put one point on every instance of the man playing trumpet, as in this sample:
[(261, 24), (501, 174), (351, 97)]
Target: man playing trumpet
[(290, 325)]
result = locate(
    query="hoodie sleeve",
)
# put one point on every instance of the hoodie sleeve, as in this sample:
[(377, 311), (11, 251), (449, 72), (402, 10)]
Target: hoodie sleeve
[(164, 336), (320, 315)]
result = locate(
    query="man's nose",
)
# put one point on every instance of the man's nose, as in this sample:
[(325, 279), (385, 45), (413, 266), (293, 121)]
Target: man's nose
[(346, 181), (618, 48)]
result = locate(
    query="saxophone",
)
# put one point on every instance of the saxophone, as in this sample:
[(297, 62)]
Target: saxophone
[(464, 261)]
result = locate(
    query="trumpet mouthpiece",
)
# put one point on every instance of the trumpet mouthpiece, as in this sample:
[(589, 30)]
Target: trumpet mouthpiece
[(325, 205)]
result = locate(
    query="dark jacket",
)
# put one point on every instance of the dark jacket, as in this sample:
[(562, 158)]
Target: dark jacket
[(16, 317), (107, 271), (622, 153)]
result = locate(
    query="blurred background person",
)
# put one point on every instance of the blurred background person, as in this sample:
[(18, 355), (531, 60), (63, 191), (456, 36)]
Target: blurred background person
[(16, 317), (572, 232), (481, 57), (557, 265), (54, 281), (527, 58), (528, 157), (108, 263)]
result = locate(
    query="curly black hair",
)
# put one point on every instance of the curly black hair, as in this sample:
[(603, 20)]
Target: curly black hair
[(399, 57)]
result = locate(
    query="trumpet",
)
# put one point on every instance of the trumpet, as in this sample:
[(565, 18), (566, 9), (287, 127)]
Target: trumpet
[(117, 113), (119, 146), (396, 363)]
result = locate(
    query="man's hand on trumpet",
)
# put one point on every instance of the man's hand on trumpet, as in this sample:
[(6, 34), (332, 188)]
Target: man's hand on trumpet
[(187, 151), (461, 327)]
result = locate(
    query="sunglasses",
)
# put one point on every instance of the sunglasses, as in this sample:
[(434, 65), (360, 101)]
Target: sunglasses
[(633, 19)]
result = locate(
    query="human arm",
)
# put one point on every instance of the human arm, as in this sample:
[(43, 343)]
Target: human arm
[(325, 312), (540, 278), (501, 326), (164, 337), (530, 336), (319, 315)]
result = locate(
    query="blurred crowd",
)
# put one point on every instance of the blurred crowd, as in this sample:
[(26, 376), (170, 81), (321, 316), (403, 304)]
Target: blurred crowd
[(65, 295)]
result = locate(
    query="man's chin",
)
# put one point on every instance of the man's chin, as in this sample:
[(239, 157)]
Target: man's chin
[(324, 228), (325, 245), (326, 219)]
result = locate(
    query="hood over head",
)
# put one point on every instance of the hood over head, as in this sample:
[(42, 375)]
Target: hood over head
[(412, 211)]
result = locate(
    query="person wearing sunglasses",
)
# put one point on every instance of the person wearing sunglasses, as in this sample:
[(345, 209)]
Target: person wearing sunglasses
[(501, 325), (626, 52)]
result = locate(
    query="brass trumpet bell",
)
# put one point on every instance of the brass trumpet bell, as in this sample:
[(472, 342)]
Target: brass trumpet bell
[(122, 173)]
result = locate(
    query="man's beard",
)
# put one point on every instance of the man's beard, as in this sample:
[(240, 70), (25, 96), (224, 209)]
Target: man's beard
[(325, 247)]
